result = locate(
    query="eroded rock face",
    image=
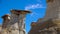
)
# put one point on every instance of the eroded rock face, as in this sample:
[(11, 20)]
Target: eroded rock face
[(0, 28), (45, 27), (52, 12)]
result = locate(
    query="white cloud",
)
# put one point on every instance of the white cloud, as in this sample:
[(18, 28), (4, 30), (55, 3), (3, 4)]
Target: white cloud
[(34, 13), (34, 6)]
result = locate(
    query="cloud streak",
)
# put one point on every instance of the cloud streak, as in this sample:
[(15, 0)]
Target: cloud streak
[(34, 6)]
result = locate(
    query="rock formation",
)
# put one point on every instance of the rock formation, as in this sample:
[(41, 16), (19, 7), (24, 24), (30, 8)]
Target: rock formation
[(50, 24), (14, 23)]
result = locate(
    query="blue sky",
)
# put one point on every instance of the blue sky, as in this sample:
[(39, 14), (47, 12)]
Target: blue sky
[(37, 7)]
